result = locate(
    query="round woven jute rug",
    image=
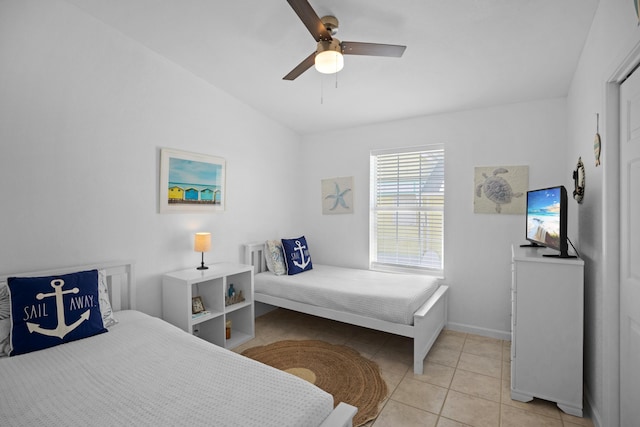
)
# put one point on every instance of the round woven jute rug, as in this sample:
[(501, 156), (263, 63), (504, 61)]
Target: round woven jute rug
[(337, 369)]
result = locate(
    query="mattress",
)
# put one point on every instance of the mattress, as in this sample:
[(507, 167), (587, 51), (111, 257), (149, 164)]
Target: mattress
[(391, 297), (146, 372)]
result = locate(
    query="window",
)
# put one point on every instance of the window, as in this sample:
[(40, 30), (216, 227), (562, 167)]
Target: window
[(407, 209)]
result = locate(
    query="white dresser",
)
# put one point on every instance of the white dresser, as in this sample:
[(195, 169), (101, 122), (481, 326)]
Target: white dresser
[(547, 316)]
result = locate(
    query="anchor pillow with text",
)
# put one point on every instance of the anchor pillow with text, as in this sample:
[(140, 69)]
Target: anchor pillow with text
[(296, 254), (47, 311)]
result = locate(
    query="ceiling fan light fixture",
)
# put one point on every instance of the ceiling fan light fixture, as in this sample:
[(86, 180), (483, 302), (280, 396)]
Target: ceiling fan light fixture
[(329, 57)]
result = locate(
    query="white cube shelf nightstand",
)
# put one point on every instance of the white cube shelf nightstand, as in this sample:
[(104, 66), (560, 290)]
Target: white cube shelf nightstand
[(212, 286)]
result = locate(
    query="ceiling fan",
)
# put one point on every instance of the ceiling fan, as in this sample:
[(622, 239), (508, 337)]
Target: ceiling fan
[(328, 55)]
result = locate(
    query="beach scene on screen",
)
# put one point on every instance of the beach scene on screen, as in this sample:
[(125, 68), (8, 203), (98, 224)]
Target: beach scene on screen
[(543, 217)]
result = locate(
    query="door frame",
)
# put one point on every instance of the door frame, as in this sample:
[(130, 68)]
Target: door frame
[(610, 280)]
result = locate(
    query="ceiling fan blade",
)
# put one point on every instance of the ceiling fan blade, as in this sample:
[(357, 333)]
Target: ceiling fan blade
[(310, 19), (301, 67), (372, 49)]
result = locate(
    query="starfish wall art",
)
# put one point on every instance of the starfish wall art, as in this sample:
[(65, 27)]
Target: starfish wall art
[(337, 195)]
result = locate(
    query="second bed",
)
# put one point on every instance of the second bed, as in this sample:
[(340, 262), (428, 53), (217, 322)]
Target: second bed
[(409, 305)]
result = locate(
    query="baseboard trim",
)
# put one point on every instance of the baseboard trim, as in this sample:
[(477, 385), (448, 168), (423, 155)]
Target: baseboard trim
[(590, 408), (485, 332)]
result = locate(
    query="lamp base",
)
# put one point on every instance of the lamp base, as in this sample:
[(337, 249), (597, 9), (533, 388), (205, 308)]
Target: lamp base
[(202, 266)]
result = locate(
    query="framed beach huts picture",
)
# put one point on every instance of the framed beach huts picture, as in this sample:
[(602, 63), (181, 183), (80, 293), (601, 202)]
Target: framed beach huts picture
[(191, 182)]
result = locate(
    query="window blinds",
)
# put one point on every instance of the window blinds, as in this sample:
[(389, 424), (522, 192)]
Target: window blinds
[(407, 208)]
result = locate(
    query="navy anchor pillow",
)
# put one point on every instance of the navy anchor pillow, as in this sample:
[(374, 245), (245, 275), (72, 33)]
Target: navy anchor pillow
[(47, 311), (296, 254)]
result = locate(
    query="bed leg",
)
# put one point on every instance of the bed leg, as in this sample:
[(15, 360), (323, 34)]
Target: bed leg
[(342, 416), (421, 348), (422, 342)]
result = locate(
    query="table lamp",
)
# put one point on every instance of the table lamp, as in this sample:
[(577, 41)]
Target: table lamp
[(202, 243)]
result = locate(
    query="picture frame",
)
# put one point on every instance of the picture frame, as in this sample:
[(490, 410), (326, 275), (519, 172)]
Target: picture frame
[(500, 189), (191, 182), (337, 195), (197, 305)]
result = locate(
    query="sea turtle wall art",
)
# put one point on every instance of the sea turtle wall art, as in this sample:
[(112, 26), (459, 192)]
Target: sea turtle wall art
[(500, 189)]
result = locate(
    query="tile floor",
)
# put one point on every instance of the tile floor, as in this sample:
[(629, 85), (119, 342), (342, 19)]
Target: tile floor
[(465, 380)]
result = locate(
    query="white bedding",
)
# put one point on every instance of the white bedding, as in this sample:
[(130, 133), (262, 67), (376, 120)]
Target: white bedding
[(145, 371), (385, 296)]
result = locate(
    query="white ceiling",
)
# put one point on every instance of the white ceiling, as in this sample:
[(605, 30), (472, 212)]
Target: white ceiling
[(461, 54)]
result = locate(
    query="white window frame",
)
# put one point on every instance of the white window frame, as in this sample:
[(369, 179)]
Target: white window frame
[(427, 264)]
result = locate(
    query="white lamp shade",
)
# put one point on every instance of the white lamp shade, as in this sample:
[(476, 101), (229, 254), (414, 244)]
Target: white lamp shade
[(329, 57), (329, 62), (202, 242)]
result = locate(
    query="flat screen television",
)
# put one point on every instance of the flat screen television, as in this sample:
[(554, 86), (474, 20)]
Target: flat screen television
[(547, 219)]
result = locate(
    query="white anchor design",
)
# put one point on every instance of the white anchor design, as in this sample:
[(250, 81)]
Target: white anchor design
[(62, 329), (301, 249)]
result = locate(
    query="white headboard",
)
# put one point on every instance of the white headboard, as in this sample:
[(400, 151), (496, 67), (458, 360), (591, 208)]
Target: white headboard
[(254, 255), (120, 281)]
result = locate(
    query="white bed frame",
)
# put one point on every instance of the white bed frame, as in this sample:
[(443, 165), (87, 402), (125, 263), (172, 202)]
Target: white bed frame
[(428, 320), (122, 292), (120, 281)]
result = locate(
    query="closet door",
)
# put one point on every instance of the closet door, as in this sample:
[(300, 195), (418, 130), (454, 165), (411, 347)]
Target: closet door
[(630, 250)]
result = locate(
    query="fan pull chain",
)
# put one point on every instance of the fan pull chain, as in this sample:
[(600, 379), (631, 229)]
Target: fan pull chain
[(322, 87)]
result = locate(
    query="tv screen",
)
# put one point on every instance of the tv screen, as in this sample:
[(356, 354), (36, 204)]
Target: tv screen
[(547, 218)]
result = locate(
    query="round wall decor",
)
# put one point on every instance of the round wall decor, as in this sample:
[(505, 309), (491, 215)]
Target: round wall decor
[(578, 181), (596, 141)]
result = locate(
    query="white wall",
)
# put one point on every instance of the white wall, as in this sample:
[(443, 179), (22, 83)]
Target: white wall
[(84, 111), (83, 114), (613, 35), (477, 246)]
